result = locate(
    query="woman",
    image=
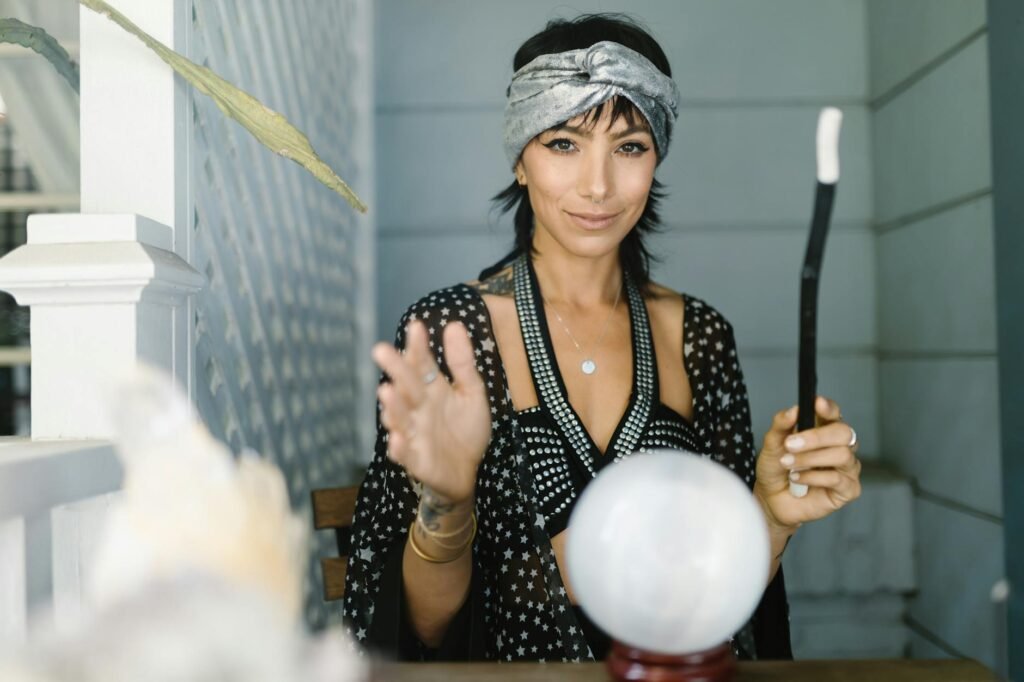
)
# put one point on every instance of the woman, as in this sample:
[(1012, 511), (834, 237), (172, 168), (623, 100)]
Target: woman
[(559, 360)]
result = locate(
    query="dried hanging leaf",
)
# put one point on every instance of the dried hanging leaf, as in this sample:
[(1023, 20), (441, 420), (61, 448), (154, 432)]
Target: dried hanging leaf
[(35, 38), (268, 126)]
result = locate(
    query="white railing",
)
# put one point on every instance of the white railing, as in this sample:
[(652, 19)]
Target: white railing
[(48, 523)]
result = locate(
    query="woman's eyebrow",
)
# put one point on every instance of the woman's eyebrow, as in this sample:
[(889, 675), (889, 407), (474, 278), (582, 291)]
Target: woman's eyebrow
[(631, 130), (586, 132)]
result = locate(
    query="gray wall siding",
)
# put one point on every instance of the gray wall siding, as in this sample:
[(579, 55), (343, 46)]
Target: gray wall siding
[(936, 308), (740, 174)]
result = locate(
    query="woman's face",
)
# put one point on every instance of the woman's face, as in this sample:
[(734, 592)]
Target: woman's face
[(588, 182)]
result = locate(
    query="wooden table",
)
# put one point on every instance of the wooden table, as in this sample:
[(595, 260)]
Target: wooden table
[(900, 670)]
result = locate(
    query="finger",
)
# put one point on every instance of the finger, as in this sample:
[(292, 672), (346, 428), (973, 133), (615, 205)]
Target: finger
[(826, 410), (819, 478), (389, 359), (396, 440), (459, 355), (418, 352), (832, 458), (834, 434), (400, 371), (397, 443), (844, 488), (397, 419), (782, 425), (394, 412)]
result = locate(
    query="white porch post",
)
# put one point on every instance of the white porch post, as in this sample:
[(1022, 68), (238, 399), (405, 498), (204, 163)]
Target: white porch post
[(108, 287), (135, 128)]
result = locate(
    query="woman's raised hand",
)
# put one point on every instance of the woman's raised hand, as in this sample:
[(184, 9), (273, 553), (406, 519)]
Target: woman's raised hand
[(822, 458), (438, 431)]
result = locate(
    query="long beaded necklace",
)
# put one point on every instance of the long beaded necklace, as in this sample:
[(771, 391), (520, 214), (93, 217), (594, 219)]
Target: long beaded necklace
[(588, 366)]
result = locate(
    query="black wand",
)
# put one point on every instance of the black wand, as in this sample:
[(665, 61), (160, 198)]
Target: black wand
[(829, 122)]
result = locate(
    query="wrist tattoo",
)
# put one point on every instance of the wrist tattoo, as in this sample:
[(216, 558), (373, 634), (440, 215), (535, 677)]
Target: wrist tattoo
[(432, 510)]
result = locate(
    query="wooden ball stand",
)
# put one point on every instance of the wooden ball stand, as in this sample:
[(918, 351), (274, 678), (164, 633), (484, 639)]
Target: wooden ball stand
[(711, 665)]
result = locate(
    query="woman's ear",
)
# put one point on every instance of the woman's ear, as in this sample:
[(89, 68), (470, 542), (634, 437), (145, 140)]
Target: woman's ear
[(520, 173)]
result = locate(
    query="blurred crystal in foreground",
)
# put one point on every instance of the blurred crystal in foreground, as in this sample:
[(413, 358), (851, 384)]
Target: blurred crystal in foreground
[(199, 571)]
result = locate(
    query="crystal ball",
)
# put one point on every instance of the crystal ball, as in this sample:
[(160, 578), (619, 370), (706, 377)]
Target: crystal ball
[(668, 552)]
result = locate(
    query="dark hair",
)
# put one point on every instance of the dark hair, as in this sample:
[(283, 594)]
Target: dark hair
[(561, 35)]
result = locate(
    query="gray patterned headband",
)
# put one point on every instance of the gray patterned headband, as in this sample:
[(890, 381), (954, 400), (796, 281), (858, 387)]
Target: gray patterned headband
[(555, 88)]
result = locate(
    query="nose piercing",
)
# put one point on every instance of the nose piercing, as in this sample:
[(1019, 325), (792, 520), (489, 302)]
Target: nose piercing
[(596, 201)]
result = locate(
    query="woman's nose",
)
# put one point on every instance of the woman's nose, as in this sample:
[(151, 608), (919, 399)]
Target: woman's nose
[(595, 179)]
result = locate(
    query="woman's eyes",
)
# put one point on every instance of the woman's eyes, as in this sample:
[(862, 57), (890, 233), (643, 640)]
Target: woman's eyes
[(564, 145), (560, 144), (633, 148)]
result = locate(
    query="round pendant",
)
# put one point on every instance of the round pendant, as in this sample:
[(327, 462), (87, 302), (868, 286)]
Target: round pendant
[(588, 367)]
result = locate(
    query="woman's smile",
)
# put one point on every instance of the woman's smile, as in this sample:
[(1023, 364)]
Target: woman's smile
[(593, 221)]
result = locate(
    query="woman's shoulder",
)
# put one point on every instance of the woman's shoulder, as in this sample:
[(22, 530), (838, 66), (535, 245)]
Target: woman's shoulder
[(455, 303), (466, 294), (447, 301), (465, 302), (699, 315)]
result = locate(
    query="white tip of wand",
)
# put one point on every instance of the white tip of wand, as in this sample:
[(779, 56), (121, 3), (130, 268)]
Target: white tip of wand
[(797, 489), (830, 120)]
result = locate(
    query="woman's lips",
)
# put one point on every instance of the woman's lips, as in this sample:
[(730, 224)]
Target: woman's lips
[(593, 221)]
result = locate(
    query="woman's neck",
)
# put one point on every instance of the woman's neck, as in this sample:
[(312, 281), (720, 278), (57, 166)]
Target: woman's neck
[(578, 282)]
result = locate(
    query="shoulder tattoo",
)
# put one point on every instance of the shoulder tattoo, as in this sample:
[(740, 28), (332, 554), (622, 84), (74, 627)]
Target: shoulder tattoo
[(499, 284)]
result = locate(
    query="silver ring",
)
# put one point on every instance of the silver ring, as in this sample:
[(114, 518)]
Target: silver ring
[(430, 376), (853, 437)]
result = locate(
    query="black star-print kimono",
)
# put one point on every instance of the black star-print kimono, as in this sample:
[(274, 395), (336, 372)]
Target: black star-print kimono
[(536, 465)]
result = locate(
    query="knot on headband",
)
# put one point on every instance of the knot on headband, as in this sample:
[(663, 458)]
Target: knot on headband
[(555, 88)]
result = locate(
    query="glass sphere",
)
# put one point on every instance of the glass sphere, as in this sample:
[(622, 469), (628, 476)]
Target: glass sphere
[(668, 552)]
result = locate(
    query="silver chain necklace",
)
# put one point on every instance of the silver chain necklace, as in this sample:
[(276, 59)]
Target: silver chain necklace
[(588, 366)]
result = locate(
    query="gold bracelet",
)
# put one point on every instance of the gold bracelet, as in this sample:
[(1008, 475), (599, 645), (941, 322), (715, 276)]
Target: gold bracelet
[(452, 534), (463, 544), (426, 557)]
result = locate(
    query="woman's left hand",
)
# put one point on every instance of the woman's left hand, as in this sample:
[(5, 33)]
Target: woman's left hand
[(825, 456)]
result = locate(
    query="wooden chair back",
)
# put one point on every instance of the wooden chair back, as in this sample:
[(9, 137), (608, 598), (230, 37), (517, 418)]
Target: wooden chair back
[(334, 509)]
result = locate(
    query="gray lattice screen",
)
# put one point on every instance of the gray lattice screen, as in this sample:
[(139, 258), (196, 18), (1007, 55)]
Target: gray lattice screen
[(278, 326)]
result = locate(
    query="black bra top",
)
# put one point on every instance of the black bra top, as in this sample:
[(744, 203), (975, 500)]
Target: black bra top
[(561, 455), (558, 479)]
